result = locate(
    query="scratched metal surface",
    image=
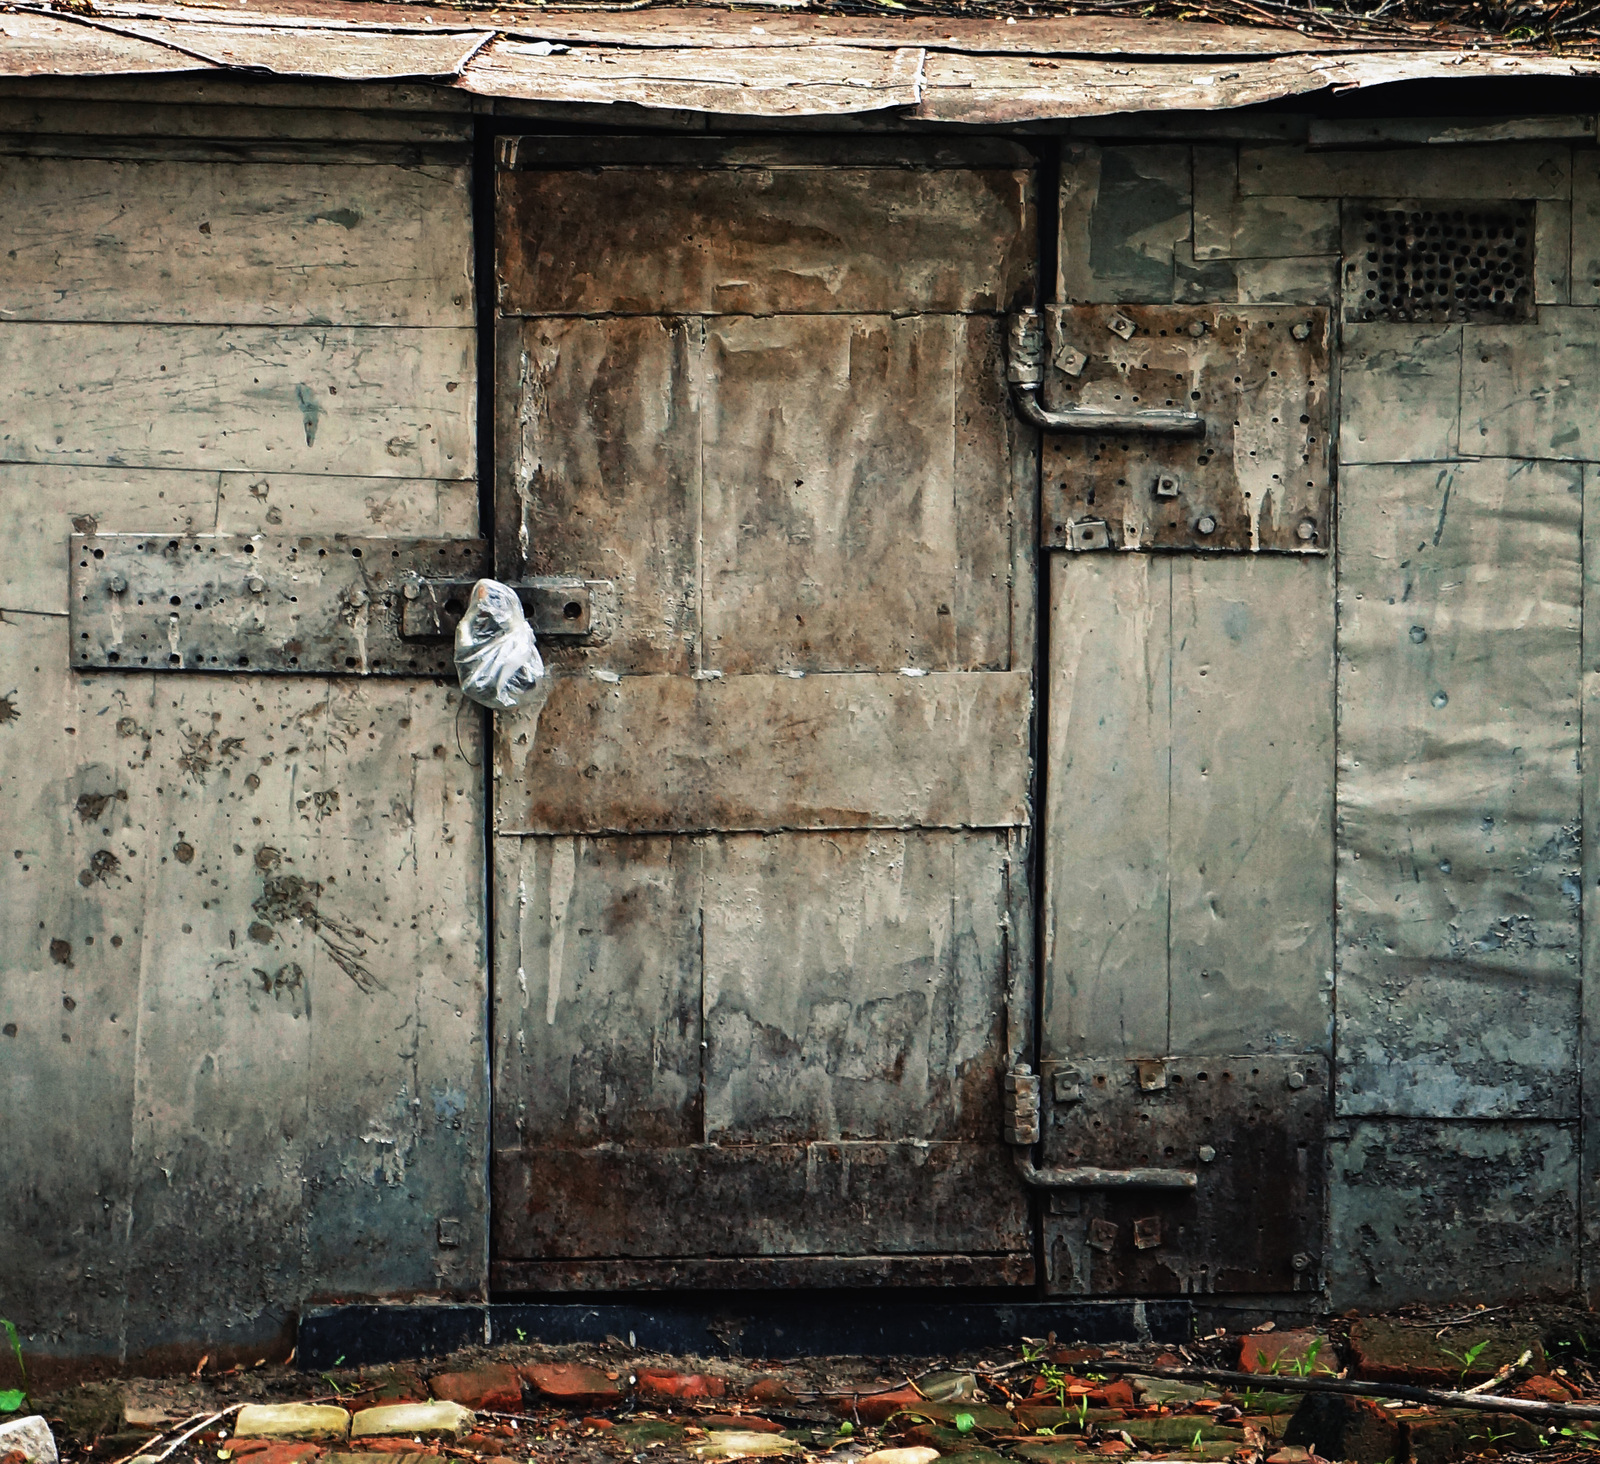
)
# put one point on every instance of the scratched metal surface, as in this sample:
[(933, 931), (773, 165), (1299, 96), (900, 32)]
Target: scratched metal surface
[(820, 524)]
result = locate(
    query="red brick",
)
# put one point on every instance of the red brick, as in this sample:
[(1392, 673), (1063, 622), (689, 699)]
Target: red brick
[(744, 1422), (1284, 1352), (484, 1443), (1548, 1389), (657, 1385), (876, 1407), (573, 1384), (496, 1387), (1074, 1356), (768, 1390), (379, 1445), (1396, 1352), (275, 1451)]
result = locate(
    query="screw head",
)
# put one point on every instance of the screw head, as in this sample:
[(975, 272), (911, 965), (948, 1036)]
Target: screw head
[(1306, 530), (257, 584), (117, 584), (1205, 525)]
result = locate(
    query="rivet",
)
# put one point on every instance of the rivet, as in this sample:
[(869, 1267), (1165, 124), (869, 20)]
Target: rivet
[(1206, 525), (257, 584), (117, 584), (1307, 529)]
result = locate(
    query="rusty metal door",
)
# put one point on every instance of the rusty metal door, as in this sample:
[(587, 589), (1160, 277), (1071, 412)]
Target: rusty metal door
[(763, 950), (1183, 1084)]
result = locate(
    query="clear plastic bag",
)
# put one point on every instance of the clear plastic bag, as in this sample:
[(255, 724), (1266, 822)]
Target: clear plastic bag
[(497, 657)]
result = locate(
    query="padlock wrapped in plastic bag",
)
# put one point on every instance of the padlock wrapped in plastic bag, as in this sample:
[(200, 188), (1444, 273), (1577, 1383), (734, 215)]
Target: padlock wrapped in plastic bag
[(497, 657)]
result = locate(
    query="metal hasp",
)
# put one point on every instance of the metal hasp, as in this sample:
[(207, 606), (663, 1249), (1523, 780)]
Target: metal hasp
[(1211, 1174), (326, 605), (1022, 1098), (1193, 427), (1025, 371)]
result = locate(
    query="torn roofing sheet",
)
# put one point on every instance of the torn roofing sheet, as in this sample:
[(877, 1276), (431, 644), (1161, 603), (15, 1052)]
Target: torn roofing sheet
[(989, 72)]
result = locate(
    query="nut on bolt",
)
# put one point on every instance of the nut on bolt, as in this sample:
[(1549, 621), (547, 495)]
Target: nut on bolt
[(1205, 524), (117, 584), (257, 584)]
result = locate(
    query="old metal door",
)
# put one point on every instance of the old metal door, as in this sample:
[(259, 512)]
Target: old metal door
[(1187, 821), (763, 950)]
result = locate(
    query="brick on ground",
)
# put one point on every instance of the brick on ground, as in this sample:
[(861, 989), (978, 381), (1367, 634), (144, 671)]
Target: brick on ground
[(766, 1390), (1399, 1352), (1294, 1353), (495, 1387), (272, 1451), (574, 1384), (436, 1420), (876, 1407), (309, 1422), (747, 1422), (1356, 1430), (658, 1385)]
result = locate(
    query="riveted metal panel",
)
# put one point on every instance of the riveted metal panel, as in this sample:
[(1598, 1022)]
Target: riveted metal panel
[(1251, 1128), (1259, 478)]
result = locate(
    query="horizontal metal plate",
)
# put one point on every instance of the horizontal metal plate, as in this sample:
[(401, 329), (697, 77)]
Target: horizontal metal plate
[(1257, 480), (326, 605), (1253, 1131)]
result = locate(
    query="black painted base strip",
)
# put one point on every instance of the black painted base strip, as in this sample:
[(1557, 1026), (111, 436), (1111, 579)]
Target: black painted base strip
[(352, 1336)]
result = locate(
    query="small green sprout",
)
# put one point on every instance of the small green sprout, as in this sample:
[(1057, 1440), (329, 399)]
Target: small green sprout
[(965, 1423), (13, 1399)]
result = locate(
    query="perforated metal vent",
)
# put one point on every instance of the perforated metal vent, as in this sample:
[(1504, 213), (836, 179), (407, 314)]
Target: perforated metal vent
[(1439, 261)]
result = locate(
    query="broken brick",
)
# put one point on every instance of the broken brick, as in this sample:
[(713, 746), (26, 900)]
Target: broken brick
[(496, 1387), (1293, 1353), (1353, 1429), (1545, 1388), (272, 1451), (482, 1443), (1395, 1352), (765, 1390), (573, 1384), (1431, 1438), (1074, 1356), (388, 1446), (310, 1422), (876, 1407), (657, 1385)]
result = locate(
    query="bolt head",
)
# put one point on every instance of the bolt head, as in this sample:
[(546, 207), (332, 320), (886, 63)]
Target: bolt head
[(1297, 1080), (1306, 529), (1205, 525), (257, 585), (1301, 332), (1197, 328), (117, 584), (1207, 1153)]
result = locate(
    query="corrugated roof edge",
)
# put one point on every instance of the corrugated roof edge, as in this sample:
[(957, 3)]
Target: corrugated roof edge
[(745, 63)]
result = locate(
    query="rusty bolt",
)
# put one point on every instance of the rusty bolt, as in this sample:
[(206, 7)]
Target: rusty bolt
[(1301, 332), (1301, 1262), (1306, 529), (257, 584), (1297, 1080), (412, 590), (1207, 1153), (1205, 525), (117, 584)]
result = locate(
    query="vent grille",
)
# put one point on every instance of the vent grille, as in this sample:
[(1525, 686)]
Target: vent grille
[(1444, 262)]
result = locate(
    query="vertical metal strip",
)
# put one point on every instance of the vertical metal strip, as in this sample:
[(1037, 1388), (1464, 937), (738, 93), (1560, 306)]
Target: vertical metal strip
[(484, 294)]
